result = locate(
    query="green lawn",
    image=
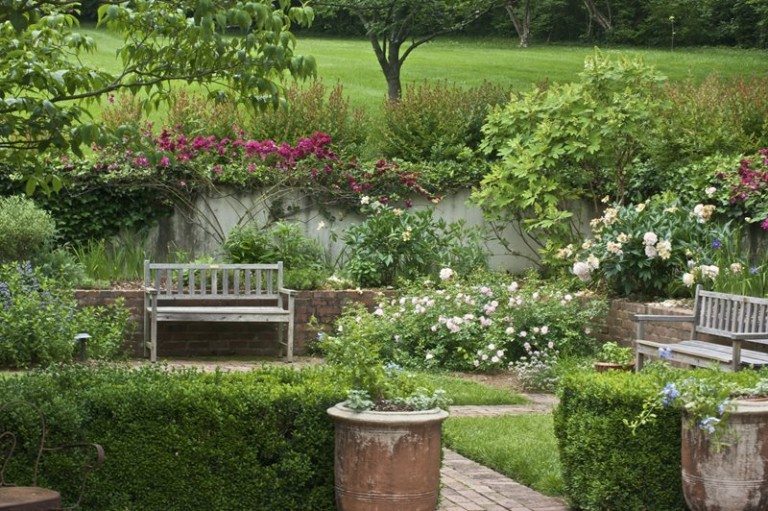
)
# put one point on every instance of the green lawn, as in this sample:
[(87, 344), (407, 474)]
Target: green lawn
[(466, 392), (469, 61), (522, 447)]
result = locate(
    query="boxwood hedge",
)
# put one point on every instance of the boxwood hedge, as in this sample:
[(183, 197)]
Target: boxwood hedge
[(180, 440), (605, 466)]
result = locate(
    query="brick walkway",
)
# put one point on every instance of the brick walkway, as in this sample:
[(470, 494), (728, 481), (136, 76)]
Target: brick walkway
[(469, 486)]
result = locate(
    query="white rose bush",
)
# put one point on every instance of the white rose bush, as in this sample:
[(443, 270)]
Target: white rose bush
[(657, 248), (482, 324)]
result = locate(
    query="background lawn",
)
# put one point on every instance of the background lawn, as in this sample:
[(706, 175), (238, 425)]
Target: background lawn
[(470, 61), (466, 392), (522, 447)]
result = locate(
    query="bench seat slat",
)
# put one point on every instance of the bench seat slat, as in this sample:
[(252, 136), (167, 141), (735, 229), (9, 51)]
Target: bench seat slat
[(703, 351)]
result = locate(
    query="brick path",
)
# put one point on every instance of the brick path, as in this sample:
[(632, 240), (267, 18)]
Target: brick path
[(469, 486)]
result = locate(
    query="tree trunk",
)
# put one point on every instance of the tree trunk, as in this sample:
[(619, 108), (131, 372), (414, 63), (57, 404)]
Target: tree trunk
[(599, 17), (394, 89), (522, 22)]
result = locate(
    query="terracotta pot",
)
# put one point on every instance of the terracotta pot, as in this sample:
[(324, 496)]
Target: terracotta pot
[(735, 478), (387, 461), (602, 367)]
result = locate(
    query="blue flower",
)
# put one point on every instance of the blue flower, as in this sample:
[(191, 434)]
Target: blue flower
[(721, 408), (754, 270), (707, 424), (669, 393), (5, 295), (716, 243), (320, 336), (665, 352)]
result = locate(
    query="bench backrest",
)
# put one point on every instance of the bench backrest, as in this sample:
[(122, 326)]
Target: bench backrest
[(214, 281), (723, 313)]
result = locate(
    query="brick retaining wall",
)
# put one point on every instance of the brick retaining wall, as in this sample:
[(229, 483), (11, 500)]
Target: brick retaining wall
[(200, 338)]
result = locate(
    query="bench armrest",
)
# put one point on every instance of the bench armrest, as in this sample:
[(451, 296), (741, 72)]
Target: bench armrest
[(664, 317), (755, 337), (150, 290), (289, 292)]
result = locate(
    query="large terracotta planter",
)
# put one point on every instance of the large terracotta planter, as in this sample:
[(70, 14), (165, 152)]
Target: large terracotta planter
[(387, 461), (734, 478)]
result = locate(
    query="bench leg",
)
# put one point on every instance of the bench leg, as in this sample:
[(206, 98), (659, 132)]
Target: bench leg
[(639, 361), (291, 312), (280, 335), (153, 345), (146, 329)]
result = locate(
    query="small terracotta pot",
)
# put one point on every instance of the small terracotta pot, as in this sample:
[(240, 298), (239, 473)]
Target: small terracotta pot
[(602, 367), (734, 478), (387, 461)]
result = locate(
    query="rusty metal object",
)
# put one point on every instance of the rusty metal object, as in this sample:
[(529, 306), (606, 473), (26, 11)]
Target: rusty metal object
[(387, 461), (34, 498), (734, 478), (28, 498), (604, 367)]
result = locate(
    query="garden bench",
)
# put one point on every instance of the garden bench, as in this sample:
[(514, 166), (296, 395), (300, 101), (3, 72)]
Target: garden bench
[(734, 317), (251, 293)]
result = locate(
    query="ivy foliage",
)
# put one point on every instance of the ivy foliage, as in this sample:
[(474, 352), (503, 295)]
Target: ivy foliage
[(568, 141), (45, 88)]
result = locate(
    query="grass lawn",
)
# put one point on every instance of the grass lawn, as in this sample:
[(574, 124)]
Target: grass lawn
[(466, 392), (470, 61), (522, 447)]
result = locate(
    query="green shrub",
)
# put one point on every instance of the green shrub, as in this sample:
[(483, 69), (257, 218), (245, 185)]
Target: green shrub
[(182, 440), (714, 116), (39, 319), (25, 229), (302, 257), (565, 142), (310, 109), (605, 466), (437, 121), (393, 245)]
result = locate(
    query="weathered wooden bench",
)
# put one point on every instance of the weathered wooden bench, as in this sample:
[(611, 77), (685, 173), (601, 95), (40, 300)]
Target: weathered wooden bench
[(734, 317), (206, 292)]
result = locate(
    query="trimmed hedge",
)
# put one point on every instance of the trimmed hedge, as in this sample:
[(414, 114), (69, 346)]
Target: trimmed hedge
[(605, 467), (182, 440)]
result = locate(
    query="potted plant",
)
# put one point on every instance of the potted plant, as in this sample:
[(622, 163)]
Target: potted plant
[(612, 357), (388, 434), (724, 451)]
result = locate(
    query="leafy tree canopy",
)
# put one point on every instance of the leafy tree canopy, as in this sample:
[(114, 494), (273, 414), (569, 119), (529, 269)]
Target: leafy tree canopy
[(235, 49)]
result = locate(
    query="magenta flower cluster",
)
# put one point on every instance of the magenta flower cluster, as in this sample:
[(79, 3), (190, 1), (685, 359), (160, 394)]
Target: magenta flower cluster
[(752, 181), (184, 149)]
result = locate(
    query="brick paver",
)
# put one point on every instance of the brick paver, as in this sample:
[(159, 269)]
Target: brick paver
[(469, 486)]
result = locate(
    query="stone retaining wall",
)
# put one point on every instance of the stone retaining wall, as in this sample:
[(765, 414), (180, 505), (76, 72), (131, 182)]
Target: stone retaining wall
[(181, 339)]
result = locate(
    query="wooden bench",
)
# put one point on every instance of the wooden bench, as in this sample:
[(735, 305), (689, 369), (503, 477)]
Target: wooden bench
[(734, 317), (172, 290)]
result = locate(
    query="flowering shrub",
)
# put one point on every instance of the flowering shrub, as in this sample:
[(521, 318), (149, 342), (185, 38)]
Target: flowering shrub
[(469, 326), (394, 244), (39, 320), (653, 248), (744, 189), (537, 369), (25, 229)]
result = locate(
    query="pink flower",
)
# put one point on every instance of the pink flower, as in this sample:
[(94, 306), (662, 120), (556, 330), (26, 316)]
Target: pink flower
[(764, 224), (165, 161)]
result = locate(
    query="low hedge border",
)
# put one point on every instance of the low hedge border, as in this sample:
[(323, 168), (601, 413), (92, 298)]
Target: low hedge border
[(605, 466), (181, 440)]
